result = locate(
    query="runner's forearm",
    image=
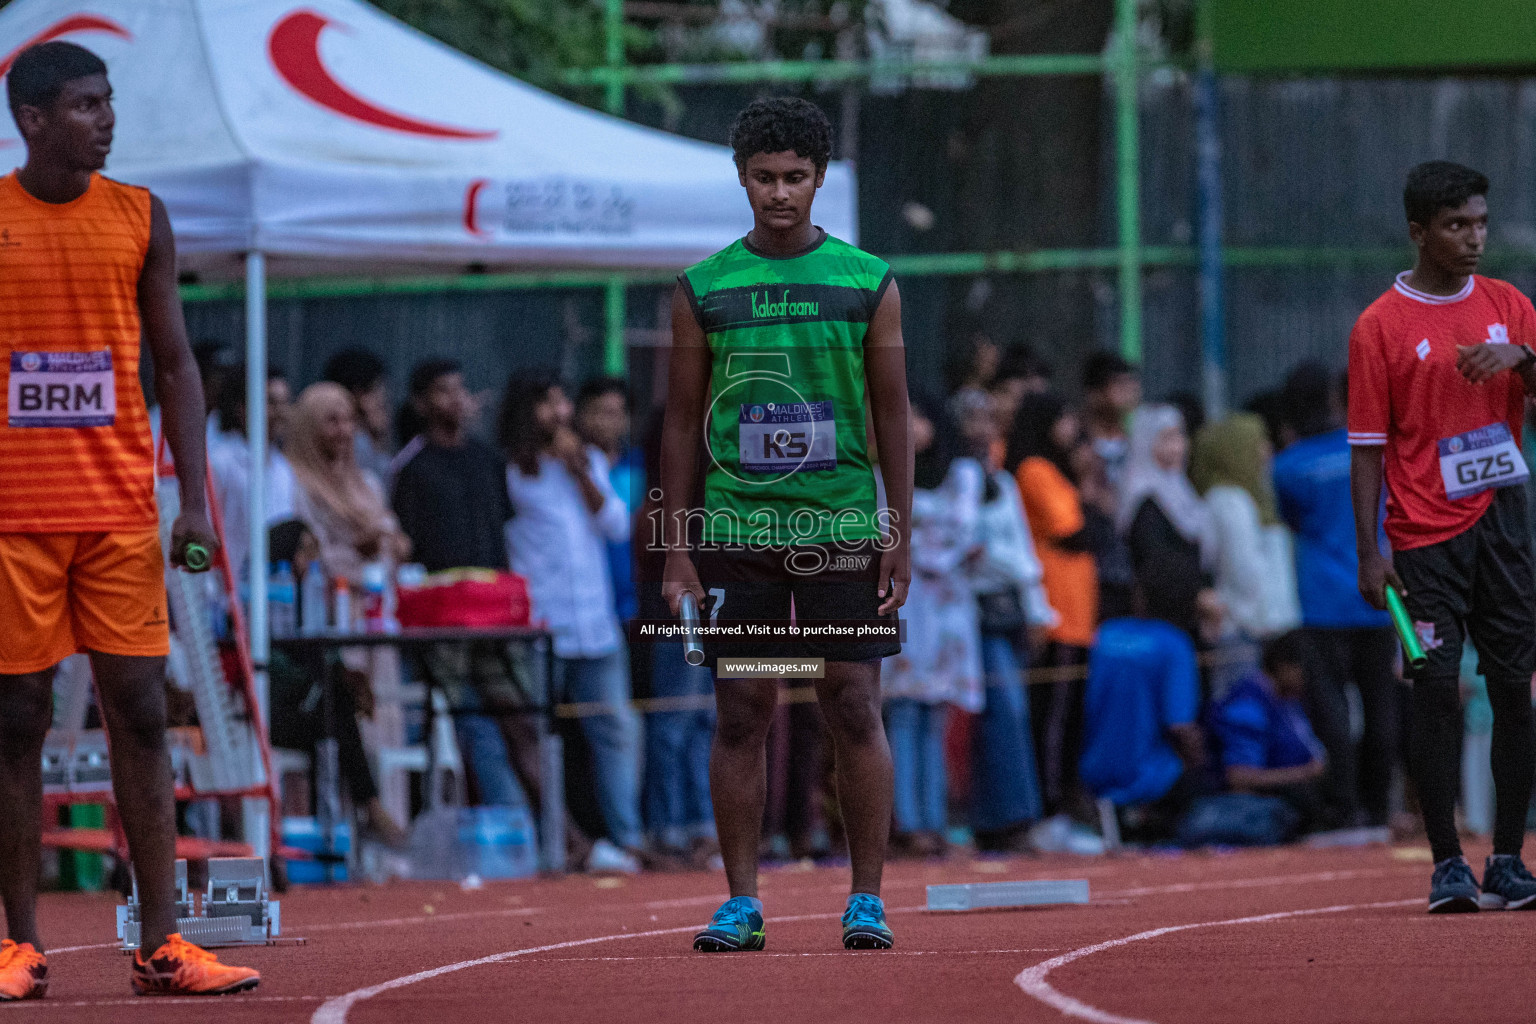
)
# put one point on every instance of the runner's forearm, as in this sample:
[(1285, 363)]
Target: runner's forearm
[(178, 384), (1365, 475), (885, 375), (687, 390), (181, 418)]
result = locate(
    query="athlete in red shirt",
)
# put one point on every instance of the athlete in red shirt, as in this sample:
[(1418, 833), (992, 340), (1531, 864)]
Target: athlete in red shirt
[(1439, 370)]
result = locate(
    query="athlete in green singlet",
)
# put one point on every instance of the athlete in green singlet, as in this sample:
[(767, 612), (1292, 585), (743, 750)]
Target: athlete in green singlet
[(782, 342)]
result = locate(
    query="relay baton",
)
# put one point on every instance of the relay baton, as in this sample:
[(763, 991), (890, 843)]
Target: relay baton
[(1413, 650), (196, 557), (693, 651)]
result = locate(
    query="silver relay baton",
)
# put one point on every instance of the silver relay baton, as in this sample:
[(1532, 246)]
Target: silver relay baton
[(693, 650)]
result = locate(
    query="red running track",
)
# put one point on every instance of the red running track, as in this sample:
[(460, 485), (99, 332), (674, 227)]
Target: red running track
[(1261, 936)]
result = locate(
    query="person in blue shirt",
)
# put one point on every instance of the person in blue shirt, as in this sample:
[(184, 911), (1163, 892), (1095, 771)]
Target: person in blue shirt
[(1347, 640), (1262, 740), (1141, 734)]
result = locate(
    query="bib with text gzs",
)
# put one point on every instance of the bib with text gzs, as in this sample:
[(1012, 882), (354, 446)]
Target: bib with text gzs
[(1479, 460)]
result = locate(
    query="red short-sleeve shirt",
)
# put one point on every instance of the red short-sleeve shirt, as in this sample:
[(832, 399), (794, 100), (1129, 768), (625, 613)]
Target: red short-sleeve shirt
[(1405, 393)]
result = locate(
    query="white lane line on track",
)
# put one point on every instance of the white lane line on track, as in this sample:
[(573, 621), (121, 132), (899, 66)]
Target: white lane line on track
[(1243, 883), (76, 949), (154, 1002), (335, 1009), (395, 922), (1033, 979), (845, 954), (1147, 890)]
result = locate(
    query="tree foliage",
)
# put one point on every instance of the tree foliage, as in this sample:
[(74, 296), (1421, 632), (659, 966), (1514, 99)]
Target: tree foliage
[(532, 39)]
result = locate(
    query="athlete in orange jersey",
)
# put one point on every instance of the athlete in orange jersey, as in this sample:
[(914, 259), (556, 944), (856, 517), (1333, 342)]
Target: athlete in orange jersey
[(86, 264)]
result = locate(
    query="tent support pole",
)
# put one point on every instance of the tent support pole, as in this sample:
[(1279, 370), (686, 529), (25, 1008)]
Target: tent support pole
[(614, 313), (1128, 178), (1213, 342), (254, 812), (256, 438)]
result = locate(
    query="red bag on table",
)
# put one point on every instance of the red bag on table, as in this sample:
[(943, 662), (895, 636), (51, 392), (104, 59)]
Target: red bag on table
[(474, 598)]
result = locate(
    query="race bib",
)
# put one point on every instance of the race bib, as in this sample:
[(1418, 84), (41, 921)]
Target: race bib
[(1480, 460), (787, 437), (61, 389)]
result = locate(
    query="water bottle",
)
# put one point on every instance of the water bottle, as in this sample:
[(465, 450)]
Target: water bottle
[(341, 611), (282, 601), (312, 601), (374, 584)]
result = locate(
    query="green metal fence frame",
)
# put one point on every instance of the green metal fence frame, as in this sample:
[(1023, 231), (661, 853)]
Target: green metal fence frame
[(1129, 257), (616, 76)]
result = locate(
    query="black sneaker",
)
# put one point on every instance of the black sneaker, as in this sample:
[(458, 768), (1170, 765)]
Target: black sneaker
[(1507, 885), (1452, 889)]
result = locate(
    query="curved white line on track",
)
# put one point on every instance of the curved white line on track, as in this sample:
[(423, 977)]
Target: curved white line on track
[(334, 1010), (1032, 979)]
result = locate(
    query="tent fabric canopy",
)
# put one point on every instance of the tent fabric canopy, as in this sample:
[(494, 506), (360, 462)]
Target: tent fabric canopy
[(337, 140)]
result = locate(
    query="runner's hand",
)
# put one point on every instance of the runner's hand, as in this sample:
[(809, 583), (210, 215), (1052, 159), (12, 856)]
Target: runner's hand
[(192, 528), (1375, 573), (680, 577), (1483, 361), (895, 577)]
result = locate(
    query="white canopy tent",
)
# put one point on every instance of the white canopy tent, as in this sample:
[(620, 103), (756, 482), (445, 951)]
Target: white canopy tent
[(321, 136)]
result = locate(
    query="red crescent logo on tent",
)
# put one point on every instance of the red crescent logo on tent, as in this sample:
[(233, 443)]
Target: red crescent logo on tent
[(471, 196), (294, 48), (74, 23)]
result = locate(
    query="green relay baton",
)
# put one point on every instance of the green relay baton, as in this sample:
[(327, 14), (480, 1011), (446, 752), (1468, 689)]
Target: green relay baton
[(1413, 650), (196, 557)]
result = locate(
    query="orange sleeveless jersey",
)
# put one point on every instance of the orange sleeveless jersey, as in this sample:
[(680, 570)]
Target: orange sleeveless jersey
[(75, 443)]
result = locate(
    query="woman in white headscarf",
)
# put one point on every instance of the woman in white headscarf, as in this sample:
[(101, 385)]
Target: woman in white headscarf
[(1166, 522)]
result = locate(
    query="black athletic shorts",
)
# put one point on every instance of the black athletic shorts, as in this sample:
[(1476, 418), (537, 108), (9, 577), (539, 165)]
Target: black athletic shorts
[(1480, 582), (831, 585)]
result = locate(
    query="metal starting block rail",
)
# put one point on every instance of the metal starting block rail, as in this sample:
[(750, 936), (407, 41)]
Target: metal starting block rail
[(234, 910), (992, 895)]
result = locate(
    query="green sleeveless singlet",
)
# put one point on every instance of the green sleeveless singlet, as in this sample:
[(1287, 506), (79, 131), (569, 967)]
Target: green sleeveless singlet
[(785, 426)]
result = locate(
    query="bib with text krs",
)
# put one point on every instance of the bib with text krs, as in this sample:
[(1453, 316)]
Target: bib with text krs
[(1479, 460), (61, 389), (788, 437)]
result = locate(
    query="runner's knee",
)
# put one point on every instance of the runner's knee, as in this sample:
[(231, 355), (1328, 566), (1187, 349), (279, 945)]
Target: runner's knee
[(136, 715), (743, 717), (853, 714), (26, 712)]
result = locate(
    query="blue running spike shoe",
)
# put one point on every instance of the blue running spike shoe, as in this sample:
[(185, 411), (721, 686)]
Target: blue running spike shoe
[(1452, 889), (864, 924), (736, 926), (1507, 885)]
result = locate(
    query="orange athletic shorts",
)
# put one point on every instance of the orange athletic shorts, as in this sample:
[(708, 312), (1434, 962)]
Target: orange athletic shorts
[(63, 593)]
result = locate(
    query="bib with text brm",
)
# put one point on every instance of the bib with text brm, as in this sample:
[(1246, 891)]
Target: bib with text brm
[(61, 389), (787, 437), (1480, 460)]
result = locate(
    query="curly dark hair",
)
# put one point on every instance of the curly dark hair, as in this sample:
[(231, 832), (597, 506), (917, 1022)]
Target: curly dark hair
[(1438, 185), (779, 123)]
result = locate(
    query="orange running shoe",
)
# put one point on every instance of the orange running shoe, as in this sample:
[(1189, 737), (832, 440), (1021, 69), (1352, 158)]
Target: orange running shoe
[(23, 972), (179, 968)]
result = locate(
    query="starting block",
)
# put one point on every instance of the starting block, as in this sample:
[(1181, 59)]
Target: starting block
[(234, 910), (987, 895)]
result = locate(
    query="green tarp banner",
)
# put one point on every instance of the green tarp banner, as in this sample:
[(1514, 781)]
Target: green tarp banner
[(1371, 35)]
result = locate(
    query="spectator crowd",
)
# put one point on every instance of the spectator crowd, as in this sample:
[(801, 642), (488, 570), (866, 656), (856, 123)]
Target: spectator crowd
[(1105, 635)]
